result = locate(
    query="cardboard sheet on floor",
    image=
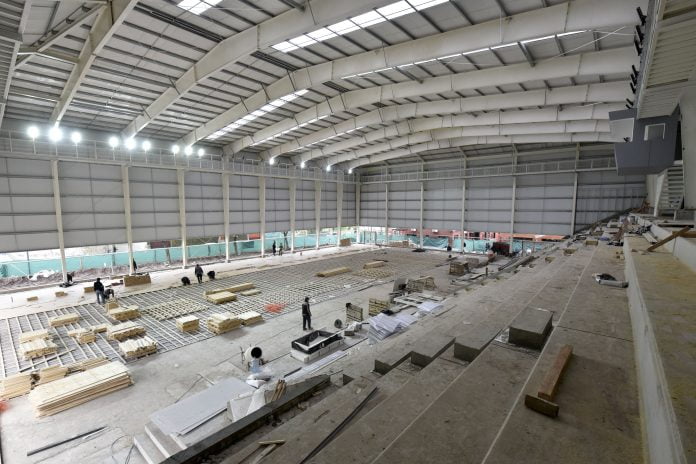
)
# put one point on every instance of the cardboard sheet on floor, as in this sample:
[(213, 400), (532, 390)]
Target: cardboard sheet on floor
[(184, 416)]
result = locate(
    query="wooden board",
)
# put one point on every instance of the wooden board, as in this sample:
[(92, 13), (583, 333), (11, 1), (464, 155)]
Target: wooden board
[(69, 318), (61, 293), (541, 405), (137, 347), (15, 385), (252, 292), (549, 386), (129, 281), (188, 323), (333, 272), (35, 334), (37, 347), (233, 289), (221, 297), (373, 264), (250, 317), (32, 298)]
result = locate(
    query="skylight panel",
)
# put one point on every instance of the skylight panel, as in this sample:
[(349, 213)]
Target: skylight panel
[(476, 51), (395, 10), (511, 44), (321, 34), (267, 108), (299, 93), (569, 33), (302, 41), (285, 47), (188, 4), (258, 113), (538, 39), (423, 4), (368, 19), (344, 27), (278, 102)]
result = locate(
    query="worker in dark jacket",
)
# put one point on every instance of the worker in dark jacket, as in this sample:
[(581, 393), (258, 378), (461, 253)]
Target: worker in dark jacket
[(198, 270), (99, 291), (306, 315)]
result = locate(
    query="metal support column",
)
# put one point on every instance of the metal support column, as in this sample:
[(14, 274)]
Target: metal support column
[(339, 211), (386, 213), (182, 215), (293, 198), (420, 217), (357, 212), (125, 179), (575, 190), (317, 209), (262, 213), (226, 213), (461, 229), (59, 219), (514, 196)]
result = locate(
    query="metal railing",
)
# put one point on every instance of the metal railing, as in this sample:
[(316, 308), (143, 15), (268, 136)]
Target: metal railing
[(12, 143), (545, 167)]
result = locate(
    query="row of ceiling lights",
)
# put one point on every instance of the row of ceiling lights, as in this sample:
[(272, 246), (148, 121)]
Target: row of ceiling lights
[(55, 135)]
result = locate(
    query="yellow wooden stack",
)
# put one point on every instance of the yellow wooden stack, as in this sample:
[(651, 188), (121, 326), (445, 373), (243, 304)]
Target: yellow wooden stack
[(223, 322), (124, 313), (49, 374), (65, 319), (15, 385), (221, 297), (188, 323), (38, 347), (137, 347), (250, 318), (35, 334), (125, 330)]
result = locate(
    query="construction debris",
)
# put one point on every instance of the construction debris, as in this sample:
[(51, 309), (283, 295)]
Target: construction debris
[(333, 272), (188, 323), (37, 347), (250, 317), (64, 319), (543, 401), (221, 297), (124, 313), (15, 385), (137, 347), (71, 391), (125, 330), (223, 322)]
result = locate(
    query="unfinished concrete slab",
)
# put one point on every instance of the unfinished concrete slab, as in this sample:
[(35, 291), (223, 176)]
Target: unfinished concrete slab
[(429, 347), (531, 327), (473, 339)]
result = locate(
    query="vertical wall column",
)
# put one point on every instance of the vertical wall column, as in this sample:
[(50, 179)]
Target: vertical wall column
[(226, 213), (463, 221), (125, 179), (420, 215), (59, 218), (357, 212), (293, 198), (687, 104), (514, 196), (317, 209), (339, 211), (575, 190), (262, 213), (386, 213), (182, 215)]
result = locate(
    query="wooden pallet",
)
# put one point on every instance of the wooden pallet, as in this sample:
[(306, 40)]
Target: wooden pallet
[(124, 330), (333, 272), (376, 306), (188, 323), (221, 297), (74, 390), (223, 322), (137, 347), (64, 319), (35, 334), (36, 348), (458, 268)]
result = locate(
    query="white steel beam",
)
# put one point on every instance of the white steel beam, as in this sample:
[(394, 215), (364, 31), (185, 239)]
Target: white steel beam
[(575, 191), (226, 213), (104, 27), (463, 217), (59, 218), (262, 213), (125, 181), (339, 212), (612, 61), (357, 212), (317, 209), (386, 211), (293, 199), (557, 19), (181, 190), (285, 26), (420, 215), (514, 197)]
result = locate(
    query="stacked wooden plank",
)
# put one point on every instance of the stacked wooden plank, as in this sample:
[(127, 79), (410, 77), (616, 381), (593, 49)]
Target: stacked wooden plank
[(38, 347), (124, 313), (129, 281), (137, 347), (89, 288), (252, 292), (354, 313), (15, 385), (591, 241), (35, 334), (399, 243), (458, 268), (33, 298), (74, 390), (61, 293), (188, 323), (250, 317), (373, 264), (111, 305), (100, 328), (64, 319), (87, 364), (333, 272), (173, 308), (223, 322), (233, 289), (420, 284), (49, 374), (345, 242), (376, 306), (221, 297), (124, 330), (85, 336)]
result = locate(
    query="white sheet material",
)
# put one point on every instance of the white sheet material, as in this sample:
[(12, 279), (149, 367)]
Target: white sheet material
[(430, 307), (382, 326), (184, 416)]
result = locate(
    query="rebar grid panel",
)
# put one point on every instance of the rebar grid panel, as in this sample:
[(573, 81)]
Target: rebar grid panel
[(286, 286)]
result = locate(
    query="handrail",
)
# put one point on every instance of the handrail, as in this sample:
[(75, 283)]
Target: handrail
[(544, 167)]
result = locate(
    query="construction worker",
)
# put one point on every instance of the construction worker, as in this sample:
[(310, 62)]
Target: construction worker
[(198, 271), (273, 248), (99, 291), (185, 281), (306, 315)]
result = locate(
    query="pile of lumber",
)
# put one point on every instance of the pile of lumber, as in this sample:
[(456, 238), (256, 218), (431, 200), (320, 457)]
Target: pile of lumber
[(111, 305), (420, 284), (129, 281), (87, 364), (223, 322), (173, 308), (83, 335), (333, 272), (74, 390), (250, 317), (399, 243), (65, 319), (188, 323), (252, 292), (233, 289), (100, 328), (221, 297), (373, 264), (15, 385), (89, 288), (458, 268), (345, 242), (49, 374), (33, 298), (125, 330), (35, 334), (136, 347), (38, 347), (124, 313), (591, 241), (61, 293), (376, 306)]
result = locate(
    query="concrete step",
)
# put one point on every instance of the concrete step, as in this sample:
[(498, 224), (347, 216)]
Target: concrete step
[(471, 341), (429, 347), (462, 422), (369, 436), (531, 327), (164, 442), (147, 449)]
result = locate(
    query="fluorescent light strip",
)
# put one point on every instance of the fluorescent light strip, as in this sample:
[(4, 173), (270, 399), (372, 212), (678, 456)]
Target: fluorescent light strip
[(365, 20), (196, 6)]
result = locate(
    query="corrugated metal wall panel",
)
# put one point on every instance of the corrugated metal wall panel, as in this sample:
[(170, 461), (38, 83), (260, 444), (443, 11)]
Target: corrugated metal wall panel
[(304, 205), (404, 204), (154, 204), (348, 218), (244, 205), (277, 205), (442, 204), (544, 204), (204, 216), (603, 193), (488, 204), (328, 216), (372, 197)]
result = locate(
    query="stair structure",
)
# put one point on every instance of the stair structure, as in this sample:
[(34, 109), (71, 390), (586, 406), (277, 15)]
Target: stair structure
[(671, 190)]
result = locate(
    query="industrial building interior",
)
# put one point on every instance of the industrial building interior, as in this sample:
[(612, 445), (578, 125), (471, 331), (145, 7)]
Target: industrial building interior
[(364, 231)]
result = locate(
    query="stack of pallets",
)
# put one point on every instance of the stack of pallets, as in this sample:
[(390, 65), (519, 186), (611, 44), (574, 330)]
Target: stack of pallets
[(38, 347), (188, 323), (250, 317), (69, 318), (223, 322), (377, 306), (125, 330), (15, 385), (137, 347)]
